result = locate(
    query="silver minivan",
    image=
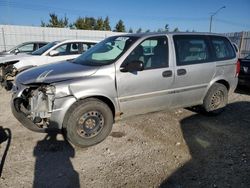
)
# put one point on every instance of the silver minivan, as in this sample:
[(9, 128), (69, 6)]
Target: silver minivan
[(123, 76)]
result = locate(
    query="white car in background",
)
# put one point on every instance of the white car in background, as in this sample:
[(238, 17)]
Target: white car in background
[(26, 47), (50, 53)]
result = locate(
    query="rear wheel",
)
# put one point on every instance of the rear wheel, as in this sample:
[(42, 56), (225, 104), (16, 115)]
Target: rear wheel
[(88, 122), (216, 99)]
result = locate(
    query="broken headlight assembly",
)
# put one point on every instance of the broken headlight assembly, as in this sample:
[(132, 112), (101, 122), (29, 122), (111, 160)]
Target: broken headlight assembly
[(37, 102), (62, 90)]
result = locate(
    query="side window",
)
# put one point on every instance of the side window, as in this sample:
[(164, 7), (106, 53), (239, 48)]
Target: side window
[(223, 48), (90, 45), (191, 49), (68, 49), (26, 48), (40, 45), (86, 46), (74, 48), (153, 52), (62, 49)]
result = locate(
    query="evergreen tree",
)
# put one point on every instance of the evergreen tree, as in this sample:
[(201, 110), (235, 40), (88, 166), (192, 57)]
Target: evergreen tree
[(159, 30), (72, 26), (167, 28), (91, 23), (80, 23), (139, 30), (120, 27), (176, 29), (43, 24), (99, 24), (106, 24), (87, 23), (130, 30), (54, 21)]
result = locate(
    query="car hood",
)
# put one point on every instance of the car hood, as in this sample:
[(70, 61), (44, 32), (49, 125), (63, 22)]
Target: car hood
[(55, 72), (13, 58)]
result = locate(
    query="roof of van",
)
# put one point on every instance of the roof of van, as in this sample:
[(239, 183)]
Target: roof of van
[(169, 33)]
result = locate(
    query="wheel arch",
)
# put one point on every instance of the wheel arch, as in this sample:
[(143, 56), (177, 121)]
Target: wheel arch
[(224, 82), (104, 99), (220, 80), (107, 101)]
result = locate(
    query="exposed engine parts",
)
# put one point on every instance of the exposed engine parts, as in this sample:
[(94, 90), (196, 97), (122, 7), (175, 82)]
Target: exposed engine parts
[(37, 104), (7, 74), (41, 102)]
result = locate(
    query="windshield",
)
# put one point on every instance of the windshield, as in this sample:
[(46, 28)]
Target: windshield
[(106, 52), (40, 51), (12, 50)]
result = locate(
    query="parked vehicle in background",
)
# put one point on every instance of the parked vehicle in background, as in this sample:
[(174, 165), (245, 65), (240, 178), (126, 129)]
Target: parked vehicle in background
[(244, 75), (50, 53), (27, 47), (236, 48), (123, 76)]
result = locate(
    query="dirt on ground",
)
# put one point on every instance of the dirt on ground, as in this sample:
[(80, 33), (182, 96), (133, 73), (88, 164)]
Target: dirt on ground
[(177, 148)]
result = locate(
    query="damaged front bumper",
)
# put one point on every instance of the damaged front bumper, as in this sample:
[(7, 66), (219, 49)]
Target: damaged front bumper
[(38, 110), (22, 117)]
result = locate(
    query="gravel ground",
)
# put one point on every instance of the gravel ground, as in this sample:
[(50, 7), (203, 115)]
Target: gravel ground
[(178, 148)]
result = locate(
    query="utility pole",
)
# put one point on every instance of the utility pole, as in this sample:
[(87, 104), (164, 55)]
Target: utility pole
[(211, 18)]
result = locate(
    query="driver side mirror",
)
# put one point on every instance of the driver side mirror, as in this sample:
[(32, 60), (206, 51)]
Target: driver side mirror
[(53, 53), (16, 51), (133, 66)]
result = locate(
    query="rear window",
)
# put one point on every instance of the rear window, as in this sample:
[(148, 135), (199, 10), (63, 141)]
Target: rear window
[(222, 48), (191, 49)]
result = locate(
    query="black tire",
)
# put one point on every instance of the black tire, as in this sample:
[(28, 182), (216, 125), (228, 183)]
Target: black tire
[(88, 122), (216, 99)]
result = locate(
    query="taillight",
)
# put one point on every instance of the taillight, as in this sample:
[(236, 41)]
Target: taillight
[(237, 68)]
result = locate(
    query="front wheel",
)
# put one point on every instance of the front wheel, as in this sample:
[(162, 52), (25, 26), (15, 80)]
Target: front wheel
[(88, 122), (216, 99)]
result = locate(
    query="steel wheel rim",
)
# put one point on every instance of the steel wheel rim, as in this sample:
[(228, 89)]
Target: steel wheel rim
[(90, 124), (217, 100)]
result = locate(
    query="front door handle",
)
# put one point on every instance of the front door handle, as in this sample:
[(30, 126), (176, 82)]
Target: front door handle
[(167, 73), (181, 72)]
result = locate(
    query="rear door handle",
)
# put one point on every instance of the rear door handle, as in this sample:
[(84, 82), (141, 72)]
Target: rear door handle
[(167, 73), (181, 72)]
